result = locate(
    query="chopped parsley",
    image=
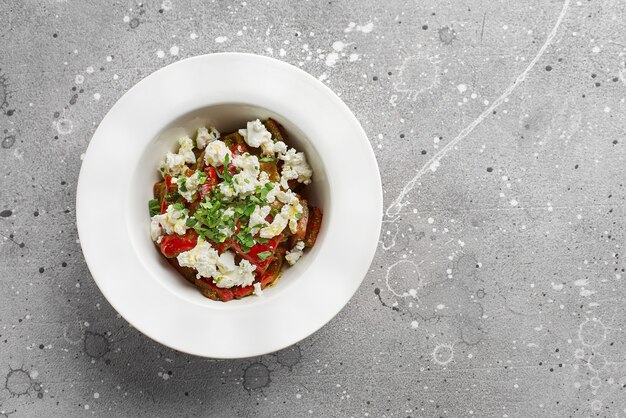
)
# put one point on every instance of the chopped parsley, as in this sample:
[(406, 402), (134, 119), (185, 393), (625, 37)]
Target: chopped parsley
[(264, 255)]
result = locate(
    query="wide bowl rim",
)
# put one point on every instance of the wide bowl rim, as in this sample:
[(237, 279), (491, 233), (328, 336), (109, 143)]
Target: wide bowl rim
[(367, 251)]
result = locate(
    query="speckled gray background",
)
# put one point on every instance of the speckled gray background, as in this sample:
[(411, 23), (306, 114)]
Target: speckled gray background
[(498, 288)]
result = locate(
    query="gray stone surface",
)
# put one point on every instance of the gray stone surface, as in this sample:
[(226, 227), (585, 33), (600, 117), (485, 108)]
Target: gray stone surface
[(498, 287)]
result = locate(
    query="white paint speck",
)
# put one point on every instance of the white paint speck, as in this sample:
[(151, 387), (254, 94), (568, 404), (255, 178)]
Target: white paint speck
[(365, 28), (414, 324), (174, 50), (221, 39), (126, 19), (96, 395), (595, 49), (89, 70), (193, 35), (441, 306), (431, 221), (462, 88), (115, 76), (353, 57), (338, 46), (160, 53), (79, 79), (607, 109), (166, 5), (331, 59), (109, 58), (514, 202), (97, 96), (282, 52)]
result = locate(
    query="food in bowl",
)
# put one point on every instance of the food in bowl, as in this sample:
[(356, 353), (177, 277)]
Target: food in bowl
[(231, 209)]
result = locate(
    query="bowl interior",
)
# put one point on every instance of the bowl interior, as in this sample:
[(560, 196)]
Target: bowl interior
[(226, 117)]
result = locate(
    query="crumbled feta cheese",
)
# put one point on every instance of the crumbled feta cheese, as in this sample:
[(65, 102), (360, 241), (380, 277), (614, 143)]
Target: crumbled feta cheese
[(276, 227), (230, 275), (271, 148), (292, 212), (289, 215), (156, 232), (203, 258), (188, 186), (257, 289), (227, 190), (271, 195), (258, 218), (246, 181), (174, 164), (186, 149), (206, 136), (295, 167), (221, 267), (172, 221), (216, 153), (287, 197), (296, 252), (257, 136)]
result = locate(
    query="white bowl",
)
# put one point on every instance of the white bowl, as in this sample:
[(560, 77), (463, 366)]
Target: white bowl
[(120, 167)]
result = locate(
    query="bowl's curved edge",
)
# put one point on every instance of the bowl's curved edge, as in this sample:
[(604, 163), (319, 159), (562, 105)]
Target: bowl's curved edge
[(354, 121)]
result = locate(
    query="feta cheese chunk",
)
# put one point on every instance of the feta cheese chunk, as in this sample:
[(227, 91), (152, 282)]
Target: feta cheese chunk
[(295, 167), (256, 135), (203, 258), (156, 232), (258, 218), (188, 186), (220, 267), (276, 227), (206, 136), (186, 149), (230, 275), (257, 289), (172, 221), (289, 215), (246, 181), (174, 164), (216, 153), (296, 252)]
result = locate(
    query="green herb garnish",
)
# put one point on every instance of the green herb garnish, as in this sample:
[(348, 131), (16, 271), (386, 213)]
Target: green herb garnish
[(178, 206), (264, 255), (154, 207)]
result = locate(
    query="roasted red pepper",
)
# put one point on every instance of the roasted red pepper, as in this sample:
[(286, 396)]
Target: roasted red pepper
[(239, 149), (209, 184), (253, 255), (172, 245)]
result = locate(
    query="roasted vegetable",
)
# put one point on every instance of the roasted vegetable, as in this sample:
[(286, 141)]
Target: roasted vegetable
[(313, 227), (276, 129)]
